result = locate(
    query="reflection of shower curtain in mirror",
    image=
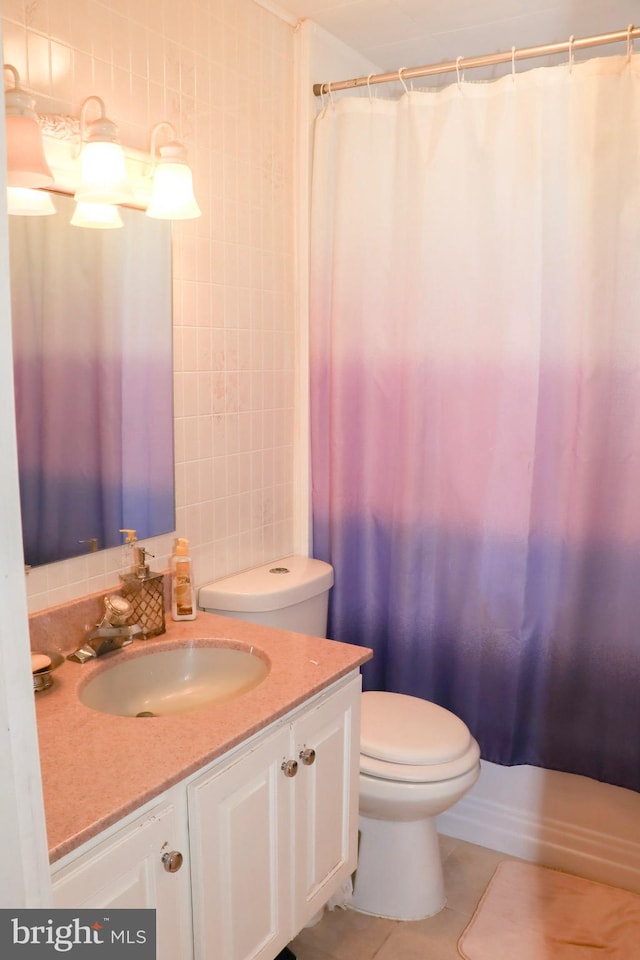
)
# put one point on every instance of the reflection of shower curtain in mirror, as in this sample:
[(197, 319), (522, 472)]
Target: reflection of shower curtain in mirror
[(475, 364), (92, 389)]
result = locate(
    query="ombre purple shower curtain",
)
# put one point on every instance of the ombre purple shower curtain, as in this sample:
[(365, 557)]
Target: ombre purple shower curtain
[(475, 380)]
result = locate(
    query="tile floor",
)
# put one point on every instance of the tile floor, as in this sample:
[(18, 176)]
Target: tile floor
[(347, 935)]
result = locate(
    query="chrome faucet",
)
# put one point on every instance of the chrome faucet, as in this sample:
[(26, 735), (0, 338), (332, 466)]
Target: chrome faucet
[(110, 634), (103, 640)]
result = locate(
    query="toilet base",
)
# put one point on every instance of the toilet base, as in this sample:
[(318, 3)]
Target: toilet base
[(399, 873)]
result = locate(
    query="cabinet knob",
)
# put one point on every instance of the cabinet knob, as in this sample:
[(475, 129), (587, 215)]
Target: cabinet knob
[(289, 767), (308, 756), (172, 861)]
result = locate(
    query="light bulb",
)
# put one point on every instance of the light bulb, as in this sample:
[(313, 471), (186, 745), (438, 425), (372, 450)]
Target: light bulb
[(24, 202), (98, 216), (172, 197), (103, 171)]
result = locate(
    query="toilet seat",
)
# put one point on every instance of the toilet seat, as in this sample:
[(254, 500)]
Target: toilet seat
[(409, 739), (421, 773)]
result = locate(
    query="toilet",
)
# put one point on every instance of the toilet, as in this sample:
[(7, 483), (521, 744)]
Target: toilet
[(292, 594), (416, 758)]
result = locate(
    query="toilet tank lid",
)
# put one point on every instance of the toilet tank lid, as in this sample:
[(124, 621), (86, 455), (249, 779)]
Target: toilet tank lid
[(403, 729), (271, 586)]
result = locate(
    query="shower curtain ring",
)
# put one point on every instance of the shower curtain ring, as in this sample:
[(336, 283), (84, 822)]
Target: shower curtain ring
[(369, 86), (458, 59), (629, 42), (513, 64), (401, 79), (571, 39), (330, 92)]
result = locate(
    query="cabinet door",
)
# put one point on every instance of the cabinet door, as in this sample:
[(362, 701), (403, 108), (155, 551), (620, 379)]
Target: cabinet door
[(326, 799), (127, 871), (241, 837)]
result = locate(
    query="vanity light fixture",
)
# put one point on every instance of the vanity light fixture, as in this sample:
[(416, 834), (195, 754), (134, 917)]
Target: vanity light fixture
[(98, 216), (24, 202), (172, 197), (103, 172), (26, 163)]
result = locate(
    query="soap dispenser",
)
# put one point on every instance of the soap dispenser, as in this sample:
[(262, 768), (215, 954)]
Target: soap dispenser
[(144, 590)]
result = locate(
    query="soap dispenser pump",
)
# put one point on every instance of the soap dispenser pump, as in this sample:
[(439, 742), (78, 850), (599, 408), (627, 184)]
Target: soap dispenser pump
[(128, 546), (144, 590)]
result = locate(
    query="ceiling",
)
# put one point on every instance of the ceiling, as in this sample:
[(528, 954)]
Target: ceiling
[(405, 33)]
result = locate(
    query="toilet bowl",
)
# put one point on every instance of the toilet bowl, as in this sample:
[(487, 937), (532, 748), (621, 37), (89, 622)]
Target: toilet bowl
[(416, 760)]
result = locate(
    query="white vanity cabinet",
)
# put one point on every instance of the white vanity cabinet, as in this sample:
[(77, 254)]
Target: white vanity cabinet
[(326, 800), (274, 831), (241, 842), (268, 834), (138, 866)]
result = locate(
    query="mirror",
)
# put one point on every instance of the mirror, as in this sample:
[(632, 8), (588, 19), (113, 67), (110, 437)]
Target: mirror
[(92, 349)]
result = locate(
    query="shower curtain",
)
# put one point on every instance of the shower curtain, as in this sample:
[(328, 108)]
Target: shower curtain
[(475, 382)]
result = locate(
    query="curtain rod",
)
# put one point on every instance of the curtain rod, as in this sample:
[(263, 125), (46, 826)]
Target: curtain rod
[(463, 63)]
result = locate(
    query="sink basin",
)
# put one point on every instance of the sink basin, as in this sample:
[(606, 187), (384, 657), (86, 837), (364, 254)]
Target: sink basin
[(164, 682)]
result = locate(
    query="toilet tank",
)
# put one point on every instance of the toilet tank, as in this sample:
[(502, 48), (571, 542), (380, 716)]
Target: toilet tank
[(292, 594)]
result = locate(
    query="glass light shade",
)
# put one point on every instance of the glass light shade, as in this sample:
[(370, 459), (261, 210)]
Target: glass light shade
[(24, 202), (172, 197), (26, 162), (103, 174), (97, 216)]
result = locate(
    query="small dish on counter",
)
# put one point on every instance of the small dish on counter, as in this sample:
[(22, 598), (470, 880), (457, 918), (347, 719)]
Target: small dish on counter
[(42, 665)]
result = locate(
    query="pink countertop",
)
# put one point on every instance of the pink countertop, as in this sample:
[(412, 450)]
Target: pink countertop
[(96, 768)]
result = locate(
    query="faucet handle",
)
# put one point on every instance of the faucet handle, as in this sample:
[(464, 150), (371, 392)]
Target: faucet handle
[(117, 610), (94, 544)]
